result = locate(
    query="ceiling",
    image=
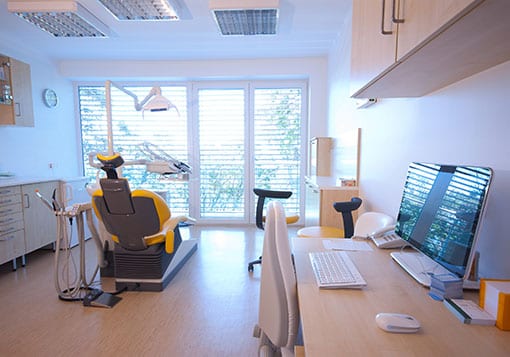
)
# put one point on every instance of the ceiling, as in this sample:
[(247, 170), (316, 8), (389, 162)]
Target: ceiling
[(306, 28)]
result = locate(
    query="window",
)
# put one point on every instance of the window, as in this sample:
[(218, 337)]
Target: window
[(235, 136)]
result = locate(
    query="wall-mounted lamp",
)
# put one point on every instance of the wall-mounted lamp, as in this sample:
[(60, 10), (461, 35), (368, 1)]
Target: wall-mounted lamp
[(365, 103)]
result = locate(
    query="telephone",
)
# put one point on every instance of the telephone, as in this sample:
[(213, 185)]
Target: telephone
[(386, 238)]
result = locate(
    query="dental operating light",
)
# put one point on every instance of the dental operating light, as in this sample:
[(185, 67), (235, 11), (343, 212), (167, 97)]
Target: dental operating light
[(153, 102)]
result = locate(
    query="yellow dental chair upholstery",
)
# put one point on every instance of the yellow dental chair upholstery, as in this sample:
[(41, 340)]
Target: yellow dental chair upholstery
[(148, 249)]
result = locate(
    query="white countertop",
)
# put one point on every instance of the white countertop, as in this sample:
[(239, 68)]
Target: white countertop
[(326, 183), (24, 180)]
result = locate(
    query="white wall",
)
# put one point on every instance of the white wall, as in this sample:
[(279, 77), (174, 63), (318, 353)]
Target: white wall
[(55, 137), (465, 123), (28, 151)]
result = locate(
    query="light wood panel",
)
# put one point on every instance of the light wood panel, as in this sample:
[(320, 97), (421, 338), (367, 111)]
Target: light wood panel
[(342, 322), (209, 309), (423, 18)]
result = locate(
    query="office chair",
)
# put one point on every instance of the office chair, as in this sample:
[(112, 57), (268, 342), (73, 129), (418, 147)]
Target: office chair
[(346, 209), (148, 248), (259, 214), (278, 320)]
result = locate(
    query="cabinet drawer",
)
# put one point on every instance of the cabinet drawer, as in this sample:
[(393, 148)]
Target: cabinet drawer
[(10, 209), (9, 199), (10, 190), (12, 214), (12, 245), (11, 226)]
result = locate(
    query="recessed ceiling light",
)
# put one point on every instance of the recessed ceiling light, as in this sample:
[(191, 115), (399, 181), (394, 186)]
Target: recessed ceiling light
[(142, 9), (62, 18)]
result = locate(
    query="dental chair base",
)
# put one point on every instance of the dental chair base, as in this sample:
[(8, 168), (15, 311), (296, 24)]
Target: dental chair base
[(131, 270)]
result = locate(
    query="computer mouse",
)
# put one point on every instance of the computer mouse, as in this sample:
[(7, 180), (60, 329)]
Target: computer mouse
[(397, 323)]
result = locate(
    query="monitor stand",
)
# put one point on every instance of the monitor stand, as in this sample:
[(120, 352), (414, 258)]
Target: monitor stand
[(421, 267)]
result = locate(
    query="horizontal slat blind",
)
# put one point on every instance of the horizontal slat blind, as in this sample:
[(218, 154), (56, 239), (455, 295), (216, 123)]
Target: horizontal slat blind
[(221, 114), (167, 130), (277, 142)]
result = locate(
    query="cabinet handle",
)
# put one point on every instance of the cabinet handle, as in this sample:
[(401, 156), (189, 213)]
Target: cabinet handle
[(10, 229), (6, 211), (27, 200), (383, 31), (6, 201), (7, 220), (393, 18), (6, 238), (17, 109)]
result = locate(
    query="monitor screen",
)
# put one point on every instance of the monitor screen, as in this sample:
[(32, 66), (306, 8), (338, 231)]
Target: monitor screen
[(440, 212)]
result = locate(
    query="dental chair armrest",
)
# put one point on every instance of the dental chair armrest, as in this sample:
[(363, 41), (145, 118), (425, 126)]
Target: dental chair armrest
[(168, 229)]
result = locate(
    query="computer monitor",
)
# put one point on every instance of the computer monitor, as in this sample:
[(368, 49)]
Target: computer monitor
[(439, 217)]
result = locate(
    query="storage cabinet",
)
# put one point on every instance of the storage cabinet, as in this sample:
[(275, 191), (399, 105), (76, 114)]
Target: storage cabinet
[(320, 196), (12, 239), (16, 106), (408, 48), (26, 224), (40, 223), (320, 156)]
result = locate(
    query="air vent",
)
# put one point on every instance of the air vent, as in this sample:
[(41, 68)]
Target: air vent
[(63, 18), (251, 17)]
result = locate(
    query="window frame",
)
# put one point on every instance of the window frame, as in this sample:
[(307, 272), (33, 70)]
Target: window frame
[(193, 150)]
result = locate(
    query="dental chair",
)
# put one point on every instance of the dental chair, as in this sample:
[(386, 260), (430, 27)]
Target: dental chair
[(148, 248)]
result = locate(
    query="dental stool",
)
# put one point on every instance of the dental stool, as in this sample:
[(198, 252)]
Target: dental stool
[(148, 248)]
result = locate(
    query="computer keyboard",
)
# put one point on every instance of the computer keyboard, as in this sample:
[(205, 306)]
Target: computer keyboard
[(335, 270)]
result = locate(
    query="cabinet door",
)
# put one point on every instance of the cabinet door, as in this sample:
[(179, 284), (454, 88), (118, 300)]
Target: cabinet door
[(424, 18), (6, 107), (22, 93), (372, 50), (328, 215), (312, 205), (40, 223)]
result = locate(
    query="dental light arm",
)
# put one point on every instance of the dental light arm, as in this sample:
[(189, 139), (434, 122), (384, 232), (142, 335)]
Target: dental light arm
[(158, 161), (154, 102)]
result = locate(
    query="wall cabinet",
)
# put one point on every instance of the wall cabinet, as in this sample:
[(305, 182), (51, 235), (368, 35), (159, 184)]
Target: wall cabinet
[(26, 224), (408, 48), (16, 106), (320, 196)]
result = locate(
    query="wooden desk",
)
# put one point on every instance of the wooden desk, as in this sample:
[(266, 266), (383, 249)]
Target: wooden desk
[(342, 322)]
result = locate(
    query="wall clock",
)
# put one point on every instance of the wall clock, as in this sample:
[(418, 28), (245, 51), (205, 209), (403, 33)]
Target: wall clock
[(50, 98)]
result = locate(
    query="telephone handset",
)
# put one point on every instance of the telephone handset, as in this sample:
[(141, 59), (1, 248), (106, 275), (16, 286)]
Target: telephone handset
[(380, 232), (386, 238)]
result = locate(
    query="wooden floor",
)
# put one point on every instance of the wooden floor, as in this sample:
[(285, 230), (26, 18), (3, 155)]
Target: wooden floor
[(208, 309)]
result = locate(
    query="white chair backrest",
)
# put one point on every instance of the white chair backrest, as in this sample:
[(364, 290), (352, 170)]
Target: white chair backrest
[(369, 223), (278, 306)]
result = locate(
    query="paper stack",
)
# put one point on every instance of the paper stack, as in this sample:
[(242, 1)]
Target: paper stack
[(445, 286), (469, 312)]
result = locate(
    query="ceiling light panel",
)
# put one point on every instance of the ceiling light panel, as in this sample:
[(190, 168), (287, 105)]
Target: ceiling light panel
[(141, 9), (250, 17), (64, 18)]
